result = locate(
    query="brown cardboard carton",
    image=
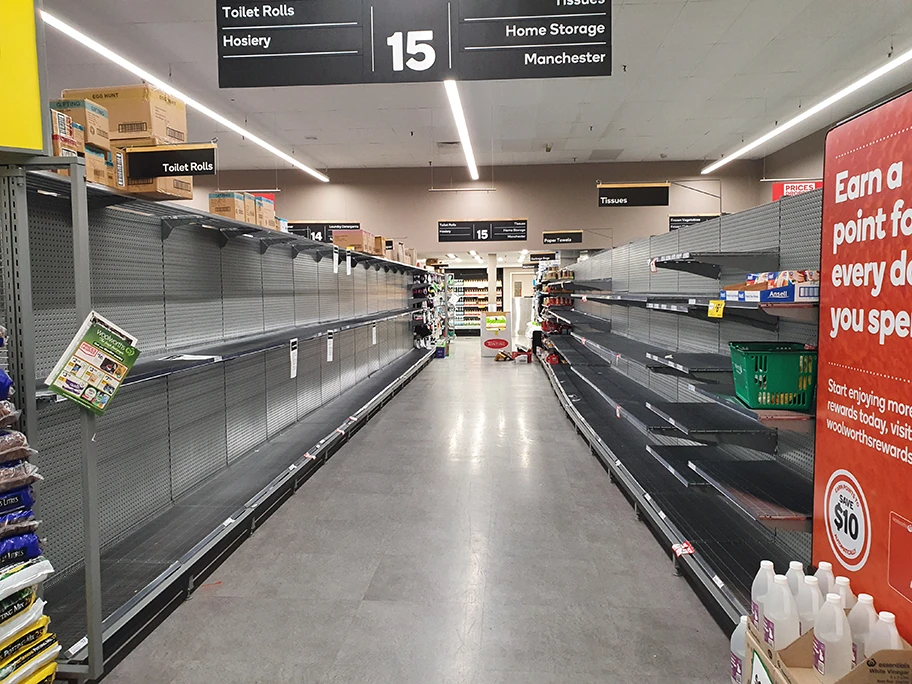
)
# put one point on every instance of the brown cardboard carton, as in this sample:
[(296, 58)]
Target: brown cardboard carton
[(179, 187), (399, 252), (136, 111), (110, 172), (93, 118), (411, 256), (250, 209), (63, 146), (79, 137), (358, 240), (96, 166), (228, 204), (61, 124), (379, 245), (759, 661), (795, 664), (265, 209)]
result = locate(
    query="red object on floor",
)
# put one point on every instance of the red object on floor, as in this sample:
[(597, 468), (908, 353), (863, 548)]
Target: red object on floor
[(527, 354)]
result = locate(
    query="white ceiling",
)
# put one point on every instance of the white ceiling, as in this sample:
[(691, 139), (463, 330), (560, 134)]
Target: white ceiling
[(693, 79)]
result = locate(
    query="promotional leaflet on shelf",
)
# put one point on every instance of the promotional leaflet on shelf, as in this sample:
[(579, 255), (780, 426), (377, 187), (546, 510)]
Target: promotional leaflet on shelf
[(95, 364)]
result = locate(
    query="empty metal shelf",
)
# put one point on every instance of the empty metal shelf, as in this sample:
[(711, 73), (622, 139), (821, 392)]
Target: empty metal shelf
[(714, 424), (573, 354), (677, 460), (705, 367), (710, 264)]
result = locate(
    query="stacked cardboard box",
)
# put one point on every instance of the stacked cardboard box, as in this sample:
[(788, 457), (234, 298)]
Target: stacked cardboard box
[(265, 212), (358, 240), (167, 188), (82, 126), (228, 204)]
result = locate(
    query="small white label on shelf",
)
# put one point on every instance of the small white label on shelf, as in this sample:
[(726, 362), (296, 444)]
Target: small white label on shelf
[(662, 515), (617, 462), (348, 262), (229, 521), (309, 457), (293, 356), (374, 334), (292, 467), (335, 259), (340, 431), (329, 348), (718, 582), (618, 410)]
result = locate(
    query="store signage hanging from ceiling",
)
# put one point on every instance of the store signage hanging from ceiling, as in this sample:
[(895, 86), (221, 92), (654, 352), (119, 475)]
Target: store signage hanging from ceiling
[(483, 231), (543, 256), (793, 188), (22, 118), (319, 232), (634, 195), (683, 221), (862, 500), (563, 237), (170, 160), (326, 42)]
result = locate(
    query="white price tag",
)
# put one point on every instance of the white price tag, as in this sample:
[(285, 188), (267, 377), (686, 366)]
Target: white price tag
[(329, 348), (374, 335), (348, 262), (335, 259), (293, 357)]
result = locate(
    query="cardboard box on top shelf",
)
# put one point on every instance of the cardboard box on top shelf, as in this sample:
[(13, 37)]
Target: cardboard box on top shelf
[(110, 172), (79, 137), (228, 204), (399, 251), (61, 124), (250, 209), (379, 245), (265, 209), (388, 254), (137, 111), (63, 146), (358, 240), (92, 116), (171, 188), (411, 256), (96, 166), (795, 665), (281, 225)]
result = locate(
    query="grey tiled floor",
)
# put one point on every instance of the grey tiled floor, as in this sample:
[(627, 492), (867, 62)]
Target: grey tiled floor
[(465, 536)]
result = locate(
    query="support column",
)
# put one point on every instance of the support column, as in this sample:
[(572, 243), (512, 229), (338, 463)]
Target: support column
[(492, 282)]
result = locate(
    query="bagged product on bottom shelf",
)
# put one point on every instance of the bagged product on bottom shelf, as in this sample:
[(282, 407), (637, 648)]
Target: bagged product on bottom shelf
[(29, 660), (27, 636), (45, 675), (20, 548), (28, 574), (29, 609), (17, 522), (16, 499), (9, 414), (14, 447), (18, 476)]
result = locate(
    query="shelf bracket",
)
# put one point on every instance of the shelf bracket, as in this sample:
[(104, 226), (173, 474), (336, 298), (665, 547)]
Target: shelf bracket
[(264, 246), (169, 223), (223, 239)]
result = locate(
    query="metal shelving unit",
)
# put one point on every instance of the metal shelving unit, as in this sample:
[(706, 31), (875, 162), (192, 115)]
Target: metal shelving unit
[(134, 503), (700, 467)]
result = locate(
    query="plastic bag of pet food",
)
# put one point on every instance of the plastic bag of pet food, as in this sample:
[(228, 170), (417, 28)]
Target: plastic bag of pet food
[(45, 675), (29, 660), (18, 476), (20, 548), (9, 414), (14, 447), (18, 522), (22, 608), (29, 635), (16, 499), (18, 577)]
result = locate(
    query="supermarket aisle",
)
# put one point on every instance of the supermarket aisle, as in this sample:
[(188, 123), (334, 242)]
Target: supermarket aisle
[(465, 536)]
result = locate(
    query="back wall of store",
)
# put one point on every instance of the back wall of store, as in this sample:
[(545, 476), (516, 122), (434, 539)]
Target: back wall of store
[(559, 197)]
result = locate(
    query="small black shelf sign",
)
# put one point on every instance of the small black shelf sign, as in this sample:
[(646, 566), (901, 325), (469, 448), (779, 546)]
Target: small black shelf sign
[(563, 237), (634, 195), (483, 231), (682, 221), (330, 42), (171, 160), (542, 256), (319, 232)]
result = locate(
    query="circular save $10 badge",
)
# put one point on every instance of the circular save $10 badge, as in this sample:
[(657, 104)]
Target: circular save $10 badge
[(848, 520)]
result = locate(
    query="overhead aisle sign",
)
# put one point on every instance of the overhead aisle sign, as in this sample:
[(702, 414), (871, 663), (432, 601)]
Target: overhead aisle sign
[(634, 194), (326, 42), (863, 463), (22, 117), (482, 231), (563, 237)]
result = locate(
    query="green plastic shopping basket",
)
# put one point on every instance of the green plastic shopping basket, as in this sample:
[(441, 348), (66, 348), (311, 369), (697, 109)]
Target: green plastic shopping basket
[(775, 375)]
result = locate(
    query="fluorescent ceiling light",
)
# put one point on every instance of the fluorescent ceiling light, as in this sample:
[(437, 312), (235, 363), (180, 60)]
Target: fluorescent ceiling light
[(457, 259), (97, 47), (472, 252), (816, 109), (452, 91), (500, 260), (525, 251), (451, 256)]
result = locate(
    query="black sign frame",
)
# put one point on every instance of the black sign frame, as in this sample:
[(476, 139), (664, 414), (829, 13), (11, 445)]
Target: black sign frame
[(508, 230), (634, 195), (562, 237), (167, 161), (319, 231), (330, 42), (678, 221)]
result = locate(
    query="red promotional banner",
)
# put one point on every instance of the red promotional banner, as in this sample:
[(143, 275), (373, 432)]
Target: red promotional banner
[(862, 475), (793, 188)]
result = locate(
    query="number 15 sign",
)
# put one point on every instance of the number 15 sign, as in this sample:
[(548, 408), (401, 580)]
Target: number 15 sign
[(324, 42)]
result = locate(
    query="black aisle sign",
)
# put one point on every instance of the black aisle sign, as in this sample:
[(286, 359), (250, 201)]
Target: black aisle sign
[(678, 222), (325, 42), (170, 160), (563, 237), (319, 232), (482, 231), (542, 256), (634, 195)]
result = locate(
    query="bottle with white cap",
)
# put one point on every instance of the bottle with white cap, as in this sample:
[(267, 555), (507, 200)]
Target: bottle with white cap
[(809, 601), (844, 589), (862, 620), (883, 635), (738, 651), (825, 575), (832, 641), (780, 615), (762, 583), (795, 576)]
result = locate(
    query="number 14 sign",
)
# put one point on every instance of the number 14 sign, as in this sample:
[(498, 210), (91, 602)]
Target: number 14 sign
[(324, 42)]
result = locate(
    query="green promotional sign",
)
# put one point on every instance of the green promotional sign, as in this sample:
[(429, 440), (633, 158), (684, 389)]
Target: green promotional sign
[(95, 364)]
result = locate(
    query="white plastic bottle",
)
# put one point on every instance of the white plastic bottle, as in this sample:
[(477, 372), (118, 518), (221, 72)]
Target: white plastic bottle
[(738, 651), (809, 601), (795, 576), (762, 583), (883, 635), (825, 575), (844, 589), (780, 615), (862, 620), (832, 641)]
